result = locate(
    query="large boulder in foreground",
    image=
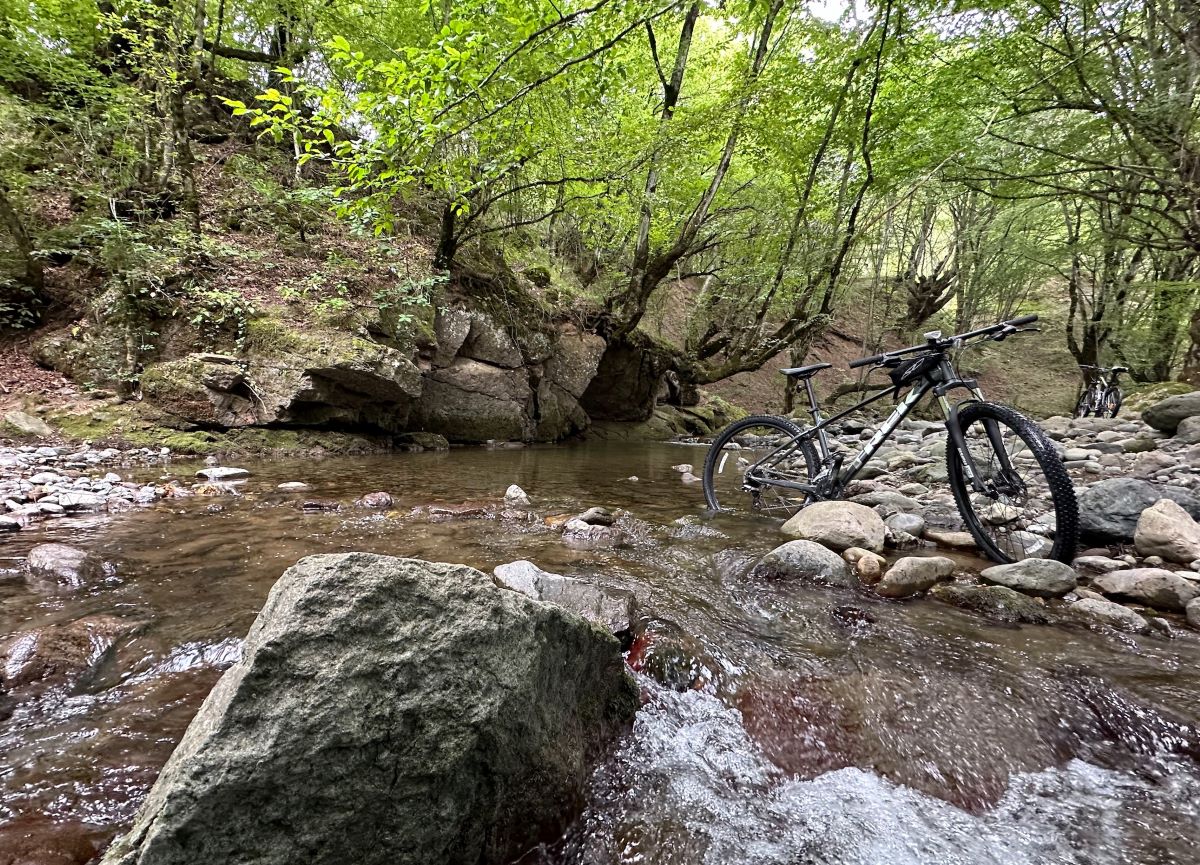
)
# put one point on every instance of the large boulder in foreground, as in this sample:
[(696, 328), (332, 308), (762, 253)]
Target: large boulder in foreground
[(388, 711), (1109, 510)]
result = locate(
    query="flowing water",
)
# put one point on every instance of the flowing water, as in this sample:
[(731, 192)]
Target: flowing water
[(795, 725)]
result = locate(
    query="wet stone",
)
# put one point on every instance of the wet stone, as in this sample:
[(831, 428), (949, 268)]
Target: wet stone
[(1044, 578), (808, 561), (1102, 612), (60, 566), (1154, 587), (222, 473), (999, 603), (913, 575), (378, 500), (611, 609)]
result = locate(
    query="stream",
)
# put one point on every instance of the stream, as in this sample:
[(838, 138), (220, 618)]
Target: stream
[(807, 725)]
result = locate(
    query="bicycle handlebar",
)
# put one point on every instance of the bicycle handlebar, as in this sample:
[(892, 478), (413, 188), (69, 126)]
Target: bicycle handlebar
[(946, 342)]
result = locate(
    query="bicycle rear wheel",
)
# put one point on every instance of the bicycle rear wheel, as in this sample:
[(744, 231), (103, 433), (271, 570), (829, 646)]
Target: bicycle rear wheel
[(768, 445), (1084, 405), (1110, 403), (1027, 506)]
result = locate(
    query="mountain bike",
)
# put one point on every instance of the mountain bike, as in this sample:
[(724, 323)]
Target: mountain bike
[(1012, 490), (1101, 396)]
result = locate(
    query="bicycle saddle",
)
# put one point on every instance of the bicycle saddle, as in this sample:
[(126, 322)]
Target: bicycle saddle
[(805, 371)]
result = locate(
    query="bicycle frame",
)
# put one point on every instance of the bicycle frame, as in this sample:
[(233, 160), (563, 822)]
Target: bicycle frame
[(832, 479)]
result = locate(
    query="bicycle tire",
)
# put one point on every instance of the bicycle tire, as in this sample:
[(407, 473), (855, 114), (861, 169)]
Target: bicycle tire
[(1084, 405), (727, 435), (1110, 403), (1042, 450)]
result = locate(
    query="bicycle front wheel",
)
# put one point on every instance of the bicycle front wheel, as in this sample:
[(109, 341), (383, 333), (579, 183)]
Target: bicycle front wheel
[(1026, 507), (748, 456)]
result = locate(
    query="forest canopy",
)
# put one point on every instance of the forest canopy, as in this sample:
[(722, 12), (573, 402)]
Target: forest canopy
[(775, 163)]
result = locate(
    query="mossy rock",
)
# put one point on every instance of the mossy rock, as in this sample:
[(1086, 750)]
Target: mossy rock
[(1143, 396)]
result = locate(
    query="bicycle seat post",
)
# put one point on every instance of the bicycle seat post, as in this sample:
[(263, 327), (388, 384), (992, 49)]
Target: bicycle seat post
[(814, 407)]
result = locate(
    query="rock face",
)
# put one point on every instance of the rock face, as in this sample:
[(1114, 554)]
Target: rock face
[(478, 382), (1153, 587), (806, 560), (388, 711), (839, 526), (1045, 578), (1166, 416), (1165, 529), (59, 566), (306, 380), (1109, 510)]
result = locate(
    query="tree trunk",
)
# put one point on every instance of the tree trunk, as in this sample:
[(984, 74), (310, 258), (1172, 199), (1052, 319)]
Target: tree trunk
[(447, 239), (34, 276), (632, 303)]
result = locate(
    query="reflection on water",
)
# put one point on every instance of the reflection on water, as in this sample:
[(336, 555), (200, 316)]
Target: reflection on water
[(820, 726)]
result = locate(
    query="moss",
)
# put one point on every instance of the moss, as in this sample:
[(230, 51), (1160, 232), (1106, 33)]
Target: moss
[(269, 334), (726, 412), (1143, 396)]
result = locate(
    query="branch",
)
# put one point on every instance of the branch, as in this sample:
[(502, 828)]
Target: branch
[(511, 54), (550, 76)]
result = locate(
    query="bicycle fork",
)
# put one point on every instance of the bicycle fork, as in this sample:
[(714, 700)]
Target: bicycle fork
[(995, 438)]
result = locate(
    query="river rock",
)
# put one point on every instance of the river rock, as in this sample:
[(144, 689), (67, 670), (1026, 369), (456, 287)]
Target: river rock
[(80, 501), (1109, 509), (1153, 587), (222, 473), (911, 524), (1045, 578), (516, 497), (60, 566), (1193, 613), (28, 424), (954, 540), (1097, 564), (912, 575), (1104, 612), (611, 609), (581, 535), (806, 560), (890, 500), (838, 525), (60, 654), (596, 516), (388, 712), (379, 500), (868, 565), (1188, 431), (1165, 529), (1166, 416), (999, 603)]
